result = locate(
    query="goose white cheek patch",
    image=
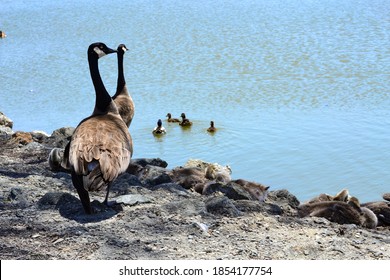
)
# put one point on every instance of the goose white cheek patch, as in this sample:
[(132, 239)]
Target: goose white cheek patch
[(99, 52)]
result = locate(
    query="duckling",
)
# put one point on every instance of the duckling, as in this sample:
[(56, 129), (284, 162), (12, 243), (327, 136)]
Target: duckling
[(159, 129), (184, 121), (212, 128), (170, 119)]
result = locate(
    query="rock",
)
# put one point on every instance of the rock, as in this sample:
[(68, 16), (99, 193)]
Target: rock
[(56, 200), (39, 136), (60, 137), (5, 121), (5, 132), (21, 138), (154, 175), (284, 196), (256, 206), (386, 196), (172, 188), (18, 198), (132, 199), (150, 161), (221, 205), (188, 207), (125, 184)]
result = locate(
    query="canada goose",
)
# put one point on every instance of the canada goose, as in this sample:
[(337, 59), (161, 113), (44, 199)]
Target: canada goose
[(2, 34), (159, 129), (212, 127), (184, 120), (170, 119), (122, 98), (101, 146)]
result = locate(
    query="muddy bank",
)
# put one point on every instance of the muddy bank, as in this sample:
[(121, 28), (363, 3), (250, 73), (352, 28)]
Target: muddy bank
[(156, 216)]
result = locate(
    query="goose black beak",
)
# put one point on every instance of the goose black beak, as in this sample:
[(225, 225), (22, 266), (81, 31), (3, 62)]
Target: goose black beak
[(110, 51)]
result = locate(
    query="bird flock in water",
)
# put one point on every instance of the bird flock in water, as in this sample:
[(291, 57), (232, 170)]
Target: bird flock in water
[(184, 122)]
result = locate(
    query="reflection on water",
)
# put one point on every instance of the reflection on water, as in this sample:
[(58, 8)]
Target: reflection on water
[(298, 90)]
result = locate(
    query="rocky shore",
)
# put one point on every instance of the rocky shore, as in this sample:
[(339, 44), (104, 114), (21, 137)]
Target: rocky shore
[(157, 214)]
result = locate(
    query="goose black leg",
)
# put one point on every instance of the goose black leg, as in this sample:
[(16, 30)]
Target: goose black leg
[(83, 193)]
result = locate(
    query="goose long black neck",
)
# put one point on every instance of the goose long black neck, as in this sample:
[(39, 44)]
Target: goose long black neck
[(103, 99), (121, 77)]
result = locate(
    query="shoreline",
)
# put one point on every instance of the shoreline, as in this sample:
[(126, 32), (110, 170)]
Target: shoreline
[(156, 217)]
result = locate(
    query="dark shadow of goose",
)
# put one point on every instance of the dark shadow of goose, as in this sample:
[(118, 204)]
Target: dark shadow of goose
[(70, 208)]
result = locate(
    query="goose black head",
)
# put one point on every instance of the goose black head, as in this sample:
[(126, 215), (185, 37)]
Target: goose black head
[(159, 123), (122, 48), (99, 50), (183, 115)]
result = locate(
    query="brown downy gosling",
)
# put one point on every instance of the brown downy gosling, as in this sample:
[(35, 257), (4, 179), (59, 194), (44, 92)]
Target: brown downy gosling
[(170, 119), (184, 120), (212, 128)]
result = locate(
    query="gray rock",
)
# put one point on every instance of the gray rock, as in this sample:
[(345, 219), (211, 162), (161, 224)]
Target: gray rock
[(153, 175), (221, 205), (188, 207), (18, 198), (256, 206), (150, 161), (173, 188), (5, 131), (284, 196), (56, 200), (125, 184), (5, 121), (60, 137), (39, 136), (132, 199)]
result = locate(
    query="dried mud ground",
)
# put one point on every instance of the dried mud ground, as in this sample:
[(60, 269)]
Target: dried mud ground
[(41, 218)]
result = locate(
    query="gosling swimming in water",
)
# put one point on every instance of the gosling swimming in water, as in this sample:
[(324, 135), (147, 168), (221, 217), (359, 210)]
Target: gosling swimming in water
[(185, 121), (170, 119), (159, 129), (212, 128)]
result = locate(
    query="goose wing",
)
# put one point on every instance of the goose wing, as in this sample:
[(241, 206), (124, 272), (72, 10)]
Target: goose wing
[(103, 142)]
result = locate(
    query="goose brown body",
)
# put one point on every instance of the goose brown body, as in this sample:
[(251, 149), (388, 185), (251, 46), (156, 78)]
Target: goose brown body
[(101, 146), (100, 142), (122, 98)]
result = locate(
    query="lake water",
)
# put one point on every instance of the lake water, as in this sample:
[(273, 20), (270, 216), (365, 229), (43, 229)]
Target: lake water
[(300, 90)]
